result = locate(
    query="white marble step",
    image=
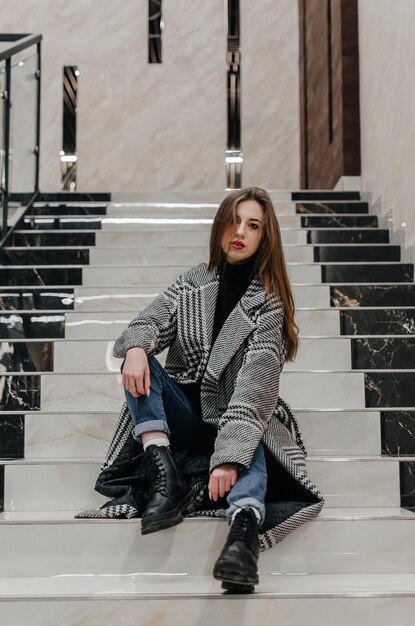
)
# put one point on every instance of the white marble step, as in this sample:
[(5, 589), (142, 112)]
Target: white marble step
[(134, 299), (339, 544), (104, 391), (85, 325), (128, 213), (85, 355), (176, 234), (56, 485), (159, 275), (361, 600), (156, 255), (82, 435)]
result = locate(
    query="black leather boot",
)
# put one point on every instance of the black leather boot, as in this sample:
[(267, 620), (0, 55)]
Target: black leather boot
[(237, 565), (169, 497)]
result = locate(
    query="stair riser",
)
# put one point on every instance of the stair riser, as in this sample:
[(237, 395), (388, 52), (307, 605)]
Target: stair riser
[(70, 486), (88, 435), (320, 547)]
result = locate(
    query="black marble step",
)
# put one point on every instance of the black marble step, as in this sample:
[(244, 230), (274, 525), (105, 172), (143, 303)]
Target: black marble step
[(368, 273), (60, 238), (332, 207), (372, 295), (397, 430), (313, 194), (407, 484), (33, 222), (27, 356), (347, 236), (339, 221), (41, 298), (378, 322), (389, 389), (63, 209), (20, 392), (45, 256), (11, 437), (31, 325), (357, 253), (383, 353), (14, 276)]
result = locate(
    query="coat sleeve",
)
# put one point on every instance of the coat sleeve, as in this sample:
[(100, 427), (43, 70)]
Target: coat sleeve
[(256, 392), (155, 328)]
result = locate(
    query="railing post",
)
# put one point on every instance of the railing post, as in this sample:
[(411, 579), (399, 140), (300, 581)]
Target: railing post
[(6, 146)]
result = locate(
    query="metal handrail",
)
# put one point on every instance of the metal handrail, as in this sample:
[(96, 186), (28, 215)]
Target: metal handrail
[(19, 42)]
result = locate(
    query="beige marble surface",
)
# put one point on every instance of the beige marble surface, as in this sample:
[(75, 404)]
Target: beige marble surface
[(270, 111), (387, 97)]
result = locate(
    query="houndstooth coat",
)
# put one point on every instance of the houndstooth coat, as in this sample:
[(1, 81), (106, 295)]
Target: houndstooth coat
[(240, 377)]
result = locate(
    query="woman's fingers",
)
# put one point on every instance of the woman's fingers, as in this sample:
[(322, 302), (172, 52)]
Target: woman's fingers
[(147, 381)]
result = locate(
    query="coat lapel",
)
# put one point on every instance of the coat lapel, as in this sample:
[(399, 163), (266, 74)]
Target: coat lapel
[(237, 326)]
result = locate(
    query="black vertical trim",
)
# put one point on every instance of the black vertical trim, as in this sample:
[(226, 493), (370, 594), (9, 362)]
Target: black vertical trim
[(154, 31)]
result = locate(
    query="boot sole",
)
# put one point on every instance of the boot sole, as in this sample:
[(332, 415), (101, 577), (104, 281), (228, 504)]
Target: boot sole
[(235, 581), (155, 523)]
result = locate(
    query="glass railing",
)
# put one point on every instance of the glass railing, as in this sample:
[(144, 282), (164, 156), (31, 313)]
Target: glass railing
[(20, 67)]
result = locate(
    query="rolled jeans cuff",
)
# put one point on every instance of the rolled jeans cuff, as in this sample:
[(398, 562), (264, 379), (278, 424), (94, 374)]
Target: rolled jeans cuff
[(246, 502), (149, 426)]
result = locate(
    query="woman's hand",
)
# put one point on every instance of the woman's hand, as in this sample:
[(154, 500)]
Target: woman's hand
[(222, 478), (136, 372)]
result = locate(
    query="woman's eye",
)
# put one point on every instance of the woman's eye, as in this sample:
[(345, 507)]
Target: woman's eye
[(255, 225)]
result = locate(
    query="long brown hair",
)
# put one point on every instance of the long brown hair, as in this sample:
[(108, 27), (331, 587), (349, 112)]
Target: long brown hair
[(270, 267)]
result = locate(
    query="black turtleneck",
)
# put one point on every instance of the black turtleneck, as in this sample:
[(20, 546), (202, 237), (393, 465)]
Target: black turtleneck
[(234, 280)]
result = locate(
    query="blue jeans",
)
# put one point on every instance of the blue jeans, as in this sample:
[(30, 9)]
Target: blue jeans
[(169, 410)]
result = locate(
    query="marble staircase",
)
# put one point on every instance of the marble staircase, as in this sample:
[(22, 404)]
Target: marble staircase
[(72, 277)]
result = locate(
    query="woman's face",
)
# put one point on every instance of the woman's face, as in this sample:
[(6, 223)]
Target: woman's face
[(249, 230)]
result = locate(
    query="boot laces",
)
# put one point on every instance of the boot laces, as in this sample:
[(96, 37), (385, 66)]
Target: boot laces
[(159, 476), (244, 528)]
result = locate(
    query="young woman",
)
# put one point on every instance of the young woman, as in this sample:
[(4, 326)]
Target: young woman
[(229, 326)]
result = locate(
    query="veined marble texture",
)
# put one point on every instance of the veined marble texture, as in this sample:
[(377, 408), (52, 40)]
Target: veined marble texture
[(53, 238), (68, 208), (321, 353), (357, 252), (19, 392), (161, 255), (369, 273), (346, 235), (35, 298), (133, 299), (31, 325), (341, 433), (389, 389), (135, 276), (52, 485), (383, 353), (68, 436), (378, 322), (398, 428), (45, 256), (373, 295), (339, 221), (407, 479), (329, 208), (14, 276), (324, 546), (89, 325), (93, 392), (12, 428), (26, 356), (338, 603)]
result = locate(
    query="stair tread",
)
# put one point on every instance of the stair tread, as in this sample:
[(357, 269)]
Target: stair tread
[(326, 514), (181, 585)]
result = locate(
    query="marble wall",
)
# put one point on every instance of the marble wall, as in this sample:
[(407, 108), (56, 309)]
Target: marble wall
[(270, 107), (163, 126), (387, 97)]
